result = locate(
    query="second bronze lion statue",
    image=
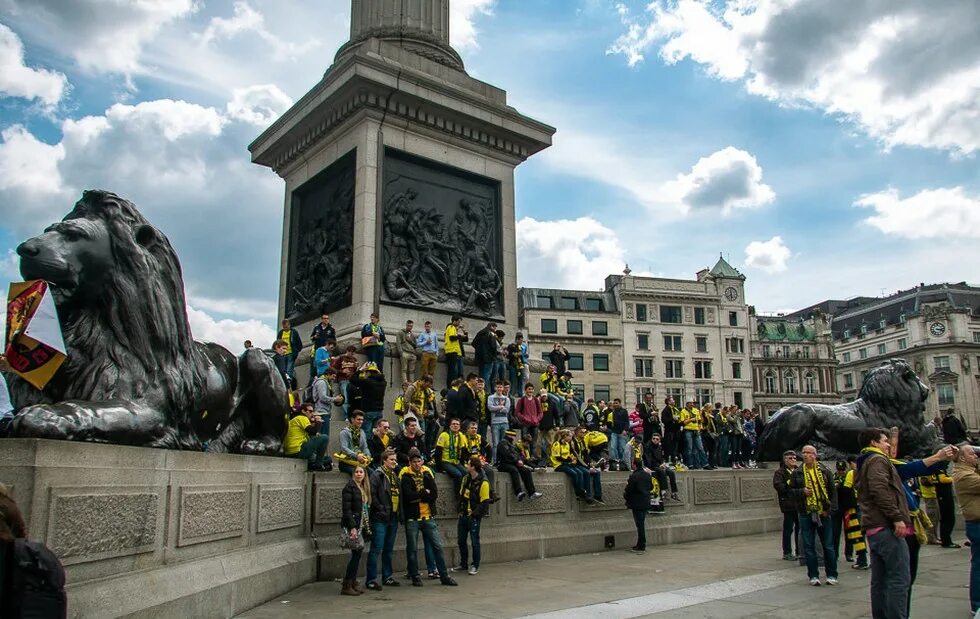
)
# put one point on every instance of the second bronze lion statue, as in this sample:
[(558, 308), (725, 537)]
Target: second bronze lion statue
[(891, 396), (134, 374)]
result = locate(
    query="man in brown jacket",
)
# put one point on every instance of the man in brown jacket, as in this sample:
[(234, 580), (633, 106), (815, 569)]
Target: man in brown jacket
[(966, 482)]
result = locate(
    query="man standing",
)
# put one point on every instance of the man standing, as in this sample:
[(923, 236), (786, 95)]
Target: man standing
[(373, 342), (528, 413), (428, 343), (690, 420), (371, 384), (966, 481), (323, 332), (954, 432), (485, 350), (474, 505), (345, 366), (515, 363), (418, 506), (782, 482), (385, 499), (407, 351), (618, 431), (813, 487), (498, 405), (637, 497), (455, 336), (650, 416), (668, 418), (469, 405), (293, 345), (323, 403), (558, 357)]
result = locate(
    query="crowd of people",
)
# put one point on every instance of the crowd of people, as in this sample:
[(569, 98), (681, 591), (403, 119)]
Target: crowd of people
[(884, 508)]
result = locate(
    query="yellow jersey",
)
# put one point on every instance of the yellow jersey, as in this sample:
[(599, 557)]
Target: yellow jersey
[(452, 347), (453, 446), (296, 434)]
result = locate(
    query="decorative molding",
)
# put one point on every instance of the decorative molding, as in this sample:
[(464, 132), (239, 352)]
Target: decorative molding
[(711, 491), (427, 45), (752, 489), (326, 504), (280, 507), (92, 523), (211, 513), (552, 502)]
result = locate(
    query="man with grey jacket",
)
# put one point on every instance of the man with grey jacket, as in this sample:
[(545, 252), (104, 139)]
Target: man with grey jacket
[(407, 351)]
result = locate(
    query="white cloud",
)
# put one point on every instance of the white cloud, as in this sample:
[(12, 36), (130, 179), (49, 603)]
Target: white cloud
[(904, 71), (565, 253), (28, 164), (229, 333), (462, 15), (769, 256), (727, 179), (107, 36), (19, 80), (258, 105), (931, 213), (247, 20)]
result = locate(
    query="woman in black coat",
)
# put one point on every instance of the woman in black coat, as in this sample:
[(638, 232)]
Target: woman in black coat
[(639, 487), (355, 502)]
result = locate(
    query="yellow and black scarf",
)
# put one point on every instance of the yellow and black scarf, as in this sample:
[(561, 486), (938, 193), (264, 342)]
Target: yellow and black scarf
[(818, 501), (395, 489)]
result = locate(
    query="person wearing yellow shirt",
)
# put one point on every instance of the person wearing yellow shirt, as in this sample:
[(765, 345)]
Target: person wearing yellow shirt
[(303, 439), (474, 505), (927, 488), (451, 449), (694, 454), (563, 461), (454, 338)]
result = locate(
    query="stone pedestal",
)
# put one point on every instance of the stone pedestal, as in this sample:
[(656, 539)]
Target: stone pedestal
[(399, 171)]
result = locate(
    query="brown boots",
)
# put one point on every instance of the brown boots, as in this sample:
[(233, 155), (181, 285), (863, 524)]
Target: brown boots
[(349, 587)]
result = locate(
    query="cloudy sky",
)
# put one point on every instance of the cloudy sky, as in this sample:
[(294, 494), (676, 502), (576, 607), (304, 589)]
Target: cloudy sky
[(826, 148)]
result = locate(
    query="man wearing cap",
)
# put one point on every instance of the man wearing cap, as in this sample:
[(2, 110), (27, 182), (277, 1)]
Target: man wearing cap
[(787, 504), (371, 384), (509, 461)]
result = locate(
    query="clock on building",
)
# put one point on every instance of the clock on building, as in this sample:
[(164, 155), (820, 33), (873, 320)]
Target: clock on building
[(937, 328), (731, 294)]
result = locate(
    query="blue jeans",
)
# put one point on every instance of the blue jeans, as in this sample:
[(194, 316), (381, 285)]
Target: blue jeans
[(724, 450), (891, 577), (468, 527), (430, 539), (973, 534), (486, 373), (314, 450), (377, 355), (343, 390), (371, 418), (454, 367), (694, 456), (575, 475), (809, 532), (382, 543), (592, 482), (499, 372), (617, 447), (497, 432), (456, 471), (291, 366)]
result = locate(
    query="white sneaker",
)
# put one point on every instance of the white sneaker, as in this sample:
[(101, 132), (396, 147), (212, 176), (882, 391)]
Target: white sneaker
[(831, 581), (536, 496), (474, 570), (520, 496), (815, 582)]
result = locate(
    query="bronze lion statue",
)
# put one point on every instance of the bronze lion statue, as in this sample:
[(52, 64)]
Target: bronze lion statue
[(134, 375), (891, 396)]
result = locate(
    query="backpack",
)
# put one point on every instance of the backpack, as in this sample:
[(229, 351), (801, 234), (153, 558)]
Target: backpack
[(37, 582)]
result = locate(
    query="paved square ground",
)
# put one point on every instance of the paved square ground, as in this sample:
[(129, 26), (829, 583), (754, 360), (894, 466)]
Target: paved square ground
[(726, 578)]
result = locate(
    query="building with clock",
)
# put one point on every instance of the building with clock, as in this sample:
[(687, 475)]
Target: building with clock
[(935, 327)]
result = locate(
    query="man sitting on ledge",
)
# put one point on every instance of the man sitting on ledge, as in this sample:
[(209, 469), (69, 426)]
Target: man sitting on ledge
[(450, 447), (303, 439), (353, 445)]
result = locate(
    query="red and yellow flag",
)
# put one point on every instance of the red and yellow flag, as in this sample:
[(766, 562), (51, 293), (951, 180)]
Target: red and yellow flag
[(33, 346)]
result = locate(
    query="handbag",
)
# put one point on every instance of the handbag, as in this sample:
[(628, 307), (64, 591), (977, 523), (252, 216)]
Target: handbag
[(351, 543)]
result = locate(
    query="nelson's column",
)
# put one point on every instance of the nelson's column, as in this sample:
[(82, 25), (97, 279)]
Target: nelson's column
[(399, 171)]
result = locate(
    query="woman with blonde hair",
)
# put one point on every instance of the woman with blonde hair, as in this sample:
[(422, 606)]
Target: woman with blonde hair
[(563, 460), (354, 522)]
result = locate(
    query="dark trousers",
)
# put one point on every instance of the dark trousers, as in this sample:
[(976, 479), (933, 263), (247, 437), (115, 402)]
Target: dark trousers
[(890, 576), (947, 513), (454, 367), (430, 539), (791, 533), (913, 544), (592, 482), (519, 475), (353, 564), (453, 470), (665, 476), (377, 355), (823, 531), (314, 450), (468, 527), (640, 518), (973, 534), (575, 475), (837, 519), (383, 544)]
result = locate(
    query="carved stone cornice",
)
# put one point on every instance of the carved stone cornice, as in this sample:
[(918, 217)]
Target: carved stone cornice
[(426, 45)]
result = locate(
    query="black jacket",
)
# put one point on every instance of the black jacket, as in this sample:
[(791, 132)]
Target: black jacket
[(321, 335), (667, 418), (558, 359), (653, 456), (478, 508), (376, 447), (590, 418), (352, 506), (639, 487), (410, 497), (781, 481), (796, 485), (402, 444), (620, 420), (484, 346), (507, 453), (953, 431), (380, 510), (469, 408), (650, 416), (372, 391)]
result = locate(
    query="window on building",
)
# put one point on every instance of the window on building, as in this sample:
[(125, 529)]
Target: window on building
[(579, 390), (881, 349), (864, 376), (903, 343), (568, 303), (672, 343), (600, 363), (901, 318), (846, 357), (641, 312), (847, 333), (737, 396), (643, 367), (736, 369), (600, 327), (882, 323), (701, 343), (942, 363), (703, 396), (809, 383), (677, 393), (702, 369), (639, 392), (790, 379), (864, 329), (863, 353), (737, 345), (806, 352), (770, 378), (785, 351), (576, 361), (674, 368), (643, 341), (544, 302), (574, 327), (976, 337), (848, 381), (699, 316), (670, 314), (593, 305), (766, 350), (549, 325), (732, 319), (601, 392), (544, 357), (946, 394)]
